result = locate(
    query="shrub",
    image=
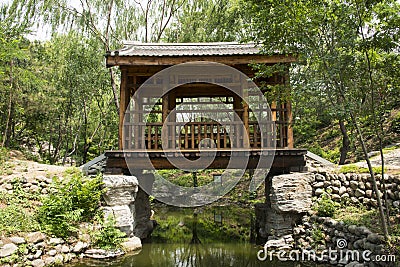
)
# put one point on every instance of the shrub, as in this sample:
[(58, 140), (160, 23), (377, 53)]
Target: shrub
[(74, 200), (108, 237), (325, 206)]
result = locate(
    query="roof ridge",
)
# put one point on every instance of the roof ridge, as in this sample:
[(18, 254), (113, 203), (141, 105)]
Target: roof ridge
[(136, 43)]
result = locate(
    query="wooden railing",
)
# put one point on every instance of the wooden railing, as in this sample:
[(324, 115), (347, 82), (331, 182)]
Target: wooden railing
[(195, 135)]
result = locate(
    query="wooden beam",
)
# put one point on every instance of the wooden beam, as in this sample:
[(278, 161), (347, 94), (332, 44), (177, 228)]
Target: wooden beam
[(174, 60), (286, 161)]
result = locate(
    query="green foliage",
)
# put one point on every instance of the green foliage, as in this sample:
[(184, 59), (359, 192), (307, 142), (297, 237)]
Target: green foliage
[(331, 155), (108, 237), (16, 219), (176, 226), (352, 168), (325, 206), (75, 199), (185, 179), (318, 236), (207, 21), (395, 124)]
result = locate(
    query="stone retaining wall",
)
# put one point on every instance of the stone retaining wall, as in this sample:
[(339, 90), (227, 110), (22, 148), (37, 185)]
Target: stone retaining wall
[(357, 242), (285, 222), (357, 188)]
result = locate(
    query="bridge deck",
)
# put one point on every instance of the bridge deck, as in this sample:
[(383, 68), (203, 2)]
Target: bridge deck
[(284, 159)]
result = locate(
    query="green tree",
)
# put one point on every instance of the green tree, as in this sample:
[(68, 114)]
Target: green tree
[(333, 41), (207, 21)]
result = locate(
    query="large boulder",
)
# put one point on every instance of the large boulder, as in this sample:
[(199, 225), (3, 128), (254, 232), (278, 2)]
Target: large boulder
[(292, 192)]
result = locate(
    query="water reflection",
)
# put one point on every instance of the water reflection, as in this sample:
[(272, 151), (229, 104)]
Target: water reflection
[(192, 255)]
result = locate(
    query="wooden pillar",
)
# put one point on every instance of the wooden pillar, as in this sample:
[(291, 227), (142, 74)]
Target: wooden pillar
[(290, 139), (289, 115), (245, 117), (270, 141), (123, 105)]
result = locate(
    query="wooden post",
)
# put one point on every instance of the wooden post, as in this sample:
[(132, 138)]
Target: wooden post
[(123, 104), (289, 115), (270, 141), (245, 93)]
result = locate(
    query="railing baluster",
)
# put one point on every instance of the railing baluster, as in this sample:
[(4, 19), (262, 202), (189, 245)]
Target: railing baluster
[(192, 134), (186, 137)]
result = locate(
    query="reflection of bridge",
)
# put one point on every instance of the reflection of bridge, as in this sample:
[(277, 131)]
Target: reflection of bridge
[(169, 115)]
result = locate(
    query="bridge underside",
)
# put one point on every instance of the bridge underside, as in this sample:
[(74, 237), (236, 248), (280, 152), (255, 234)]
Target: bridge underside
[(284, 160)]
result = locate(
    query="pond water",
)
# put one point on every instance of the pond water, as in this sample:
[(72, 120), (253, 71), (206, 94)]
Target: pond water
[(191, 255), (209, 237)]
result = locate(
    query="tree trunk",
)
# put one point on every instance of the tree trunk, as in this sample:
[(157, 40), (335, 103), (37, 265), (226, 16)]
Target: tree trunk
[(371, 172), (114, 89), (345, 143)]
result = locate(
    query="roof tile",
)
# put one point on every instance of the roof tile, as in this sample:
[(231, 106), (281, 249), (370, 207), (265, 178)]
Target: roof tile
[(186, 49)]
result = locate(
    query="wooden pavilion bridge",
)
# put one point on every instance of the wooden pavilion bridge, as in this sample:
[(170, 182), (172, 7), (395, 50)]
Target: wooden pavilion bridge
[(154, 127)]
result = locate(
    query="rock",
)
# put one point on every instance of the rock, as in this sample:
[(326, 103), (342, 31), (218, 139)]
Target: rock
[(17, 240), (68, 257), (291, 193), (368, 193), (102, 254), (361, 185), (364, 230), (318, 185), (49, 260), (52, 252), (352, 229), (342, 190), (335, 190), (38, 263), (80, 246), (335, 197), (55, 241), (121, 189), (319, 177), (123, 217), (59, 259), (34, 189), (40, 245), (353, 185), (35, 237), (8, 186), (8, 250), (38, 254), (368, 185), (350, 191), (132, 244), (337, 183), (375, 238), (64, 249), (345, 195), (319, 191), (359, 193), (286, 242), (396, 204), (391, 194), (95, 251)]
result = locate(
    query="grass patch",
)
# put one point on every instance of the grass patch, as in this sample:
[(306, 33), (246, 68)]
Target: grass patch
[(352, 168), (358, 215), (14, 219)]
